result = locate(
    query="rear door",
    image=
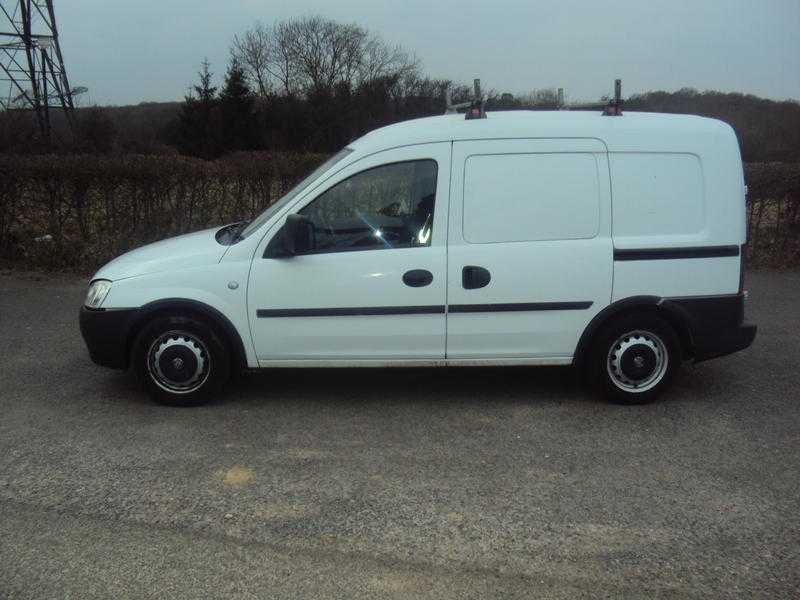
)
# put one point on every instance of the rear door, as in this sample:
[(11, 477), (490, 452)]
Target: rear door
[(530, 254)]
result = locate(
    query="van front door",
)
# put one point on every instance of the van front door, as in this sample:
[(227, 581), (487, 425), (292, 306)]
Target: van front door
[(372, 287), (530, 249)]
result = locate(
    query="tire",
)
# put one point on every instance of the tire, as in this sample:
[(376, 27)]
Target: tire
[(181, 360), (634, 358)]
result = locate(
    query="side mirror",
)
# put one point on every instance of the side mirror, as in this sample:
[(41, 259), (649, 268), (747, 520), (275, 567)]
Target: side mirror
[(298, 235)]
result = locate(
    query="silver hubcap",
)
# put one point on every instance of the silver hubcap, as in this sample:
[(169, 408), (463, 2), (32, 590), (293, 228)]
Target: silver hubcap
[(637, 361), (178, 362)]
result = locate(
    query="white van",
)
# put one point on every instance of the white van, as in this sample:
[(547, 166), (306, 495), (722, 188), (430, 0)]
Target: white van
[(521, 238)]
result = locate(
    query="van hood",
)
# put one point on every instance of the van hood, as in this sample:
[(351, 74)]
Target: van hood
[(181, 252)]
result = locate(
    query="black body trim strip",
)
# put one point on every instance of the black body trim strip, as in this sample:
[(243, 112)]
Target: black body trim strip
[(517, 307), (675, 253), (363, 311), (366, 311)]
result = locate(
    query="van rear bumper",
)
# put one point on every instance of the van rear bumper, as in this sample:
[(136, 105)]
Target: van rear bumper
[(724, 342), (716, 324)]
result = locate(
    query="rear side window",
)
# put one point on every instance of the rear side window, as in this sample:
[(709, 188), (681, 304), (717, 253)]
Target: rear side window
[(530, 197), (390, 206)]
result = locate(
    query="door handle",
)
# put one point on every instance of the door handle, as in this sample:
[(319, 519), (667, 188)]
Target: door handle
[(417, 278), (473, 277)]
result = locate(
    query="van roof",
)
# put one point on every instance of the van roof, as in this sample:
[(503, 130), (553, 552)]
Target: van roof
[(633, 131)]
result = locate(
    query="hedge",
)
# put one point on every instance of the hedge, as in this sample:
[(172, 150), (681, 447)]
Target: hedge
[(76, 212), (773, 214)]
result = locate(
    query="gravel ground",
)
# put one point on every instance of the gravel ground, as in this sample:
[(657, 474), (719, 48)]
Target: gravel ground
[(395, 483)]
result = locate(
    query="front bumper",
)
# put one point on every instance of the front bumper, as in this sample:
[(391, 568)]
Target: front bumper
[(106, 333)]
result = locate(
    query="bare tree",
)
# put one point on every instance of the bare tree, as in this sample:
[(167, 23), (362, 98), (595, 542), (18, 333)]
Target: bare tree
[(325, 53), (314, 54), (252, 50), (282, 59), (379, 60)]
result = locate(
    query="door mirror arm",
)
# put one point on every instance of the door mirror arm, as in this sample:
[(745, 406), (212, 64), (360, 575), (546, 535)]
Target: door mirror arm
[(294, 238), (299, 235)]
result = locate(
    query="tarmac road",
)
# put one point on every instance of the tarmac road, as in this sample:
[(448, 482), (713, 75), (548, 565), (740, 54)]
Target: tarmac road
[(478, 483)]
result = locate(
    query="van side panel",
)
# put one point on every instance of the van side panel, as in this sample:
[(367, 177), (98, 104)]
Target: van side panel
[(679, 218), (659, 198), (676, 278)]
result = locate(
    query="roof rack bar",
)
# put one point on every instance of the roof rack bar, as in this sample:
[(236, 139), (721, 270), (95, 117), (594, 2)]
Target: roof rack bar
[(453, 108), (614, 107), (476, 108)]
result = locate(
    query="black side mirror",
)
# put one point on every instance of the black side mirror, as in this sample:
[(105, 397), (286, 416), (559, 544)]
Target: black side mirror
[(298, 235)]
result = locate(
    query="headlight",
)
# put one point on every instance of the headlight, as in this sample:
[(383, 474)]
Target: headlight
[(98, 290)]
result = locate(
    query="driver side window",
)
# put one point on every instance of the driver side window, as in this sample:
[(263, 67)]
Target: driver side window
[(390, 206)]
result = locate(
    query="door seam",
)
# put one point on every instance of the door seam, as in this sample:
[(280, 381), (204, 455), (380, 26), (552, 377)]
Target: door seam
[(447, 253)]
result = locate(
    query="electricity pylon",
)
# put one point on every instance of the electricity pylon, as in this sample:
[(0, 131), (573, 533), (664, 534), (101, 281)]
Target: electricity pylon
[(32, 72)]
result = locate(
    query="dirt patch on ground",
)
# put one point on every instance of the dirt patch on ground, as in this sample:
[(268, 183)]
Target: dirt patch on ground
[(238, 476)]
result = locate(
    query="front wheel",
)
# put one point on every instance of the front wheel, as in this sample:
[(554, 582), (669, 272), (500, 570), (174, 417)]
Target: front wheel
[(181, 361), (635, 358)]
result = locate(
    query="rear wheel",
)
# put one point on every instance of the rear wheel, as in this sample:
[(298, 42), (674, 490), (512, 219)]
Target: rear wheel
[(181, 360), (635, 358)]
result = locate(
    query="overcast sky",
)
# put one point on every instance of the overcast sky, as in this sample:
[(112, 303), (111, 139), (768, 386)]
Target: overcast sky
[(128, 52)]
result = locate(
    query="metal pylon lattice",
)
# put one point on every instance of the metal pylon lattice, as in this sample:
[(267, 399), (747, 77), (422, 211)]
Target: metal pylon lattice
[(32, 72)]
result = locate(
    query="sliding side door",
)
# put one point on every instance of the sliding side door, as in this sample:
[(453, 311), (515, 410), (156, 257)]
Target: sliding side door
[(530, 254)]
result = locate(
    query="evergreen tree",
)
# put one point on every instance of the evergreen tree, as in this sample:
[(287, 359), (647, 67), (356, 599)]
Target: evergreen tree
[(238, 120), (197, 134)]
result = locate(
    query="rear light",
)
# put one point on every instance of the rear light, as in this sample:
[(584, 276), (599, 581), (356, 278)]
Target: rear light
[(742, 268), (743, 247)]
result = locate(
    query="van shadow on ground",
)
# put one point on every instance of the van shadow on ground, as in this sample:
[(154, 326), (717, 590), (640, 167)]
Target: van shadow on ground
[(410, 385)]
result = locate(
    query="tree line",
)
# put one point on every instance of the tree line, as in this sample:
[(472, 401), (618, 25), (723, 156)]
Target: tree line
[(305, 84), (311, 84)]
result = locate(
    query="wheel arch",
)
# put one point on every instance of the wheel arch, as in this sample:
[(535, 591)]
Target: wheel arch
[(673, 313), (169, 306)]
